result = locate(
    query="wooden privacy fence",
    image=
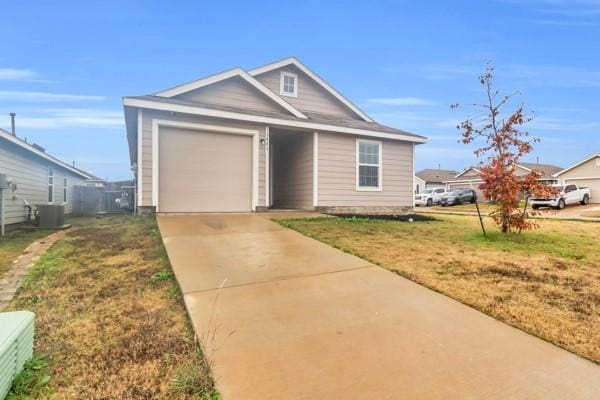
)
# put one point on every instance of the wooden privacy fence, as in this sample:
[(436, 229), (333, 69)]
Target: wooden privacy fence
[(89, 200)]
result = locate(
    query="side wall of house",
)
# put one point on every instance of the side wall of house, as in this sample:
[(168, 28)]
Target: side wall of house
[(337, 174), (293, 172), (311, 96), (30, 174), (146, 154)]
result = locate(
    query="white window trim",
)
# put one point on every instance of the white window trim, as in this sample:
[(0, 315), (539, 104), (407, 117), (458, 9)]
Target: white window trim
[(157, 123), (379, 167), (65, 189), (50, 185), (281, 84)]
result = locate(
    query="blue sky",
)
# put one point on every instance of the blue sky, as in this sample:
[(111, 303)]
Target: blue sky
[(64, 65)]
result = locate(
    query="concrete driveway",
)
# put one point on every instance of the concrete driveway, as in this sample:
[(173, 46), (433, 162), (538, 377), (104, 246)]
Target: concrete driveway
[(282, 316)]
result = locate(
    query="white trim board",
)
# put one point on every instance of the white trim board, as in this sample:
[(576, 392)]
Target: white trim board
[(140, 169), (313, 76), (576, 165), (187, 87), (267, 148), (157, 123), (315, 169), (194, 110), (46, 156)]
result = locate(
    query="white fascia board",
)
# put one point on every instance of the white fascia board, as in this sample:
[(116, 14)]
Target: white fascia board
[(316, 78), (576, 165), (208, 112), (40, 153), (467, 170), (177, 90)]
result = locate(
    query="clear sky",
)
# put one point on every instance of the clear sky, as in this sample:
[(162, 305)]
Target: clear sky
[(64, 65)]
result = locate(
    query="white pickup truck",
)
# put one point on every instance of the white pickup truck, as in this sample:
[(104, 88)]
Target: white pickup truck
[(429, 197), (567, 194)]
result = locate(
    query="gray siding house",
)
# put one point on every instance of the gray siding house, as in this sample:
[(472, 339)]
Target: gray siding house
[(275, 137), (36, 178)]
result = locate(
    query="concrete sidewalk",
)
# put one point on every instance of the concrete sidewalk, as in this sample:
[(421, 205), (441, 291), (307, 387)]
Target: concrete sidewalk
[(282, 316)]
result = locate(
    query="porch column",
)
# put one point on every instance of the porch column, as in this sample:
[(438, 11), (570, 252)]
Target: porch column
[(315, 169)]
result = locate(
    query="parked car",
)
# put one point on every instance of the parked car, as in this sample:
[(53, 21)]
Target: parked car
[(430, 197), (566, 194), (459, 196)]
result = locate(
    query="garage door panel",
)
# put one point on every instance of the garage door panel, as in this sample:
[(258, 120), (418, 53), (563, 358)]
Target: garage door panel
[(204, 171), (593, 184)]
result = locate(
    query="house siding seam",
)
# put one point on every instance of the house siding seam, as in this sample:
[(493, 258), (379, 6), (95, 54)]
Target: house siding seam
[(147, 153), (337, 174), (311, 96), (30, 173)]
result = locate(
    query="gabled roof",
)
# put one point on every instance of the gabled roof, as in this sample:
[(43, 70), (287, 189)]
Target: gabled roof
[(576, 165), (313, 121), (316, 78), (436, 175), (546, 171), (467, 170), (32, 149), (187, 87)]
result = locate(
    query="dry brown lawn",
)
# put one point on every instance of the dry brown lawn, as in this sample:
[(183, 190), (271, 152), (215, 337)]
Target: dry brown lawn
[(546, 282), (110, 318)]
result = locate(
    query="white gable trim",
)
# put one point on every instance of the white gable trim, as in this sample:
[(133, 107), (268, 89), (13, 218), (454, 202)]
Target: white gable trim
[(209, 112), (187, 87), (576, 165), (44, 155), (316, 78), (467, 170)]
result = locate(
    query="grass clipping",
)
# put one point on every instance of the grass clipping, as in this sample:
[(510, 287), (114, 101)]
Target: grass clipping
[(110, 319)]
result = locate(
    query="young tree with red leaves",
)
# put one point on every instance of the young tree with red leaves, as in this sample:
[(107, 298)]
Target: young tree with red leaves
[(504, 143)]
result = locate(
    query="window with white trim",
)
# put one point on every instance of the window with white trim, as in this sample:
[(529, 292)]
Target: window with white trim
[(288, 85), (368, 165), (50, 185), (65, 183)]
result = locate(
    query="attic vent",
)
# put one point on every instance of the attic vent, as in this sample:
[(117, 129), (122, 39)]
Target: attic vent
[(40, 148)]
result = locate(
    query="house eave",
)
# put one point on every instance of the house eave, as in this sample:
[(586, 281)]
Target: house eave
[(302, 124)]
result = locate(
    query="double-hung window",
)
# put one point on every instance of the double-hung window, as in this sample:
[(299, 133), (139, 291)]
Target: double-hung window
[(368, 165), (288, 85), (65, 183), (50, 185)]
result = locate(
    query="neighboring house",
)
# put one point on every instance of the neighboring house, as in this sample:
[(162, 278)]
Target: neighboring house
[(36, 178), (584, 173), (470, 178), (418, 185), (433, 178), (277, 136)]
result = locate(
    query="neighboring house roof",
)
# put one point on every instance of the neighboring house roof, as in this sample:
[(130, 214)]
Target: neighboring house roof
[(474, 169), (556, 174), (436, 175), (36, 151), (294, 61), (547, 171)]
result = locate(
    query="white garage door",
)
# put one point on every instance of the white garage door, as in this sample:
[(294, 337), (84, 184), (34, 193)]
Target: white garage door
[(204, 171), (593, 184)]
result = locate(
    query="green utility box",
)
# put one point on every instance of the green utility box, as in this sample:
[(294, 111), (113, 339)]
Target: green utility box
[(16, 346)]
